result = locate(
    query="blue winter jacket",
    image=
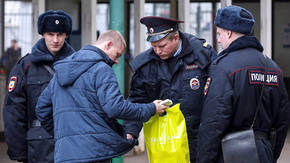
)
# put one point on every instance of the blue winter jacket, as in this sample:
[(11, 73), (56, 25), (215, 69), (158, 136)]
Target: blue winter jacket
[(84, 98)]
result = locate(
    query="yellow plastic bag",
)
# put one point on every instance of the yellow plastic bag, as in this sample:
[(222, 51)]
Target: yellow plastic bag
[(166, 137)]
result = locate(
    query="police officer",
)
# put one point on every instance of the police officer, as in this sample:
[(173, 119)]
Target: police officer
[(174, 68), (10, 57), (27, 140), (239, 79)]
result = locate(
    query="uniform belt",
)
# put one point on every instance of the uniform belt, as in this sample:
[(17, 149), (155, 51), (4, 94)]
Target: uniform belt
[(35, 123), (261, 135)]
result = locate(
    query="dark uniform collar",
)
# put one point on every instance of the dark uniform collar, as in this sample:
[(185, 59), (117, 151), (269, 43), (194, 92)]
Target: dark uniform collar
[(241, 43), (41, 53), (244, 42)]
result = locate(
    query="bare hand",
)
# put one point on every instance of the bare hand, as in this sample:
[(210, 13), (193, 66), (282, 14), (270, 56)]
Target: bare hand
[(130, 137), (159, 108)]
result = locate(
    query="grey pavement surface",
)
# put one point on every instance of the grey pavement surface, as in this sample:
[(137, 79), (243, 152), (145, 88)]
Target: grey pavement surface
[(131, 158)]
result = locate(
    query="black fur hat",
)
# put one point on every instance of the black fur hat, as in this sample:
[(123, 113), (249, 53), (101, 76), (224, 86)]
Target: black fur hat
[(54, 21)]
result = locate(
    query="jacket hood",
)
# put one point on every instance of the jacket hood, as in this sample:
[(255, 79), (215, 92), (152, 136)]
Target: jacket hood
[(41, 53), (71, 68), (244, 42)]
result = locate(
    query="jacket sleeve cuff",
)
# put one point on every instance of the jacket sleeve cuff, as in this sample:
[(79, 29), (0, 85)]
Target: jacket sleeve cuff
[(152, 109)]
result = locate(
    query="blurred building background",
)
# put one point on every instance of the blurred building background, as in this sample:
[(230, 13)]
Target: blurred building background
[(18, 21)]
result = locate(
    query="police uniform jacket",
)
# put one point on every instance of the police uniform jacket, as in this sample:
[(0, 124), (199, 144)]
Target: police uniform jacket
[(86, 99), (233, 92), (27, 140), (182, 82)]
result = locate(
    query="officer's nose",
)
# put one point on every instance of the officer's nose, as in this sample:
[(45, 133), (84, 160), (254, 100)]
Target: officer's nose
[(157, 51), (218, 39), (55, 38)]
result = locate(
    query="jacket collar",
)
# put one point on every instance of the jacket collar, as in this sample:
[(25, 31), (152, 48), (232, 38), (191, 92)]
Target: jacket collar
[(100, 52), (243, 42), (41, 53)]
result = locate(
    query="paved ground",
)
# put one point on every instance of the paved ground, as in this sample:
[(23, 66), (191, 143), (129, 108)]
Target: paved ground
[(130, 158)]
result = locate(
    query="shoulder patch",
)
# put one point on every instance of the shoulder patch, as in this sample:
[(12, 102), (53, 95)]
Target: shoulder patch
[(12, 83), (260, 77), (205, 44)]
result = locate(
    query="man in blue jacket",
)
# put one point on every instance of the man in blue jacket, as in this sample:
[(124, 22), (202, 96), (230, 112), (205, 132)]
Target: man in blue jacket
[(239, 79), (26, 139), (175, 68), (84, 100)]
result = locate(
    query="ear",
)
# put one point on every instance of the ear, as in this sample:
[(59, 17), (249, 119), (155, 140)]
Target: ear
[(108, 45), (229, 33), (176, 36)]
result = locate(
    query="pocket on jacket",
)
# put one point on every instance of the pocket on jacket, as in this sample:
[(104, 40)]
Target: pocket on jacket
[(153, 88), (35, 86), (40, 145)]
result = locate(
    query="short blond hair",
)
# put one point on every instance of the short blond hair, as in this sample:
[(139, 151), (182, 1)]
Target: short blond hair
[(171, 35), (114, 36)]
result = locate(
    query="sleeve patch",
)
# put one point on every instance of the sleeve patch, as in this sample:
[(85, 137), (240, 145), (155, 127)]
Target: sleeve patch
[(267, 78), (12, 83), (206, 87)]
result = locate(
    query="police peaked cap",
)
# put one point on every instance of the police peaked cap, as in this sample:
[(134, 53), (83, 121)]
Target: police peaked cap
[(54, 21), (159, 27), (236, 19)]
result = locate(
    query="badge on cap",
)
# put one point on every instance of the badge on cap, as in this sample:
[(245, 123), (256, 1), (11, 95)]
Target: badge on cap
[(194, 83), (12, 83), (151, 30), (208, 80), (56, 21)]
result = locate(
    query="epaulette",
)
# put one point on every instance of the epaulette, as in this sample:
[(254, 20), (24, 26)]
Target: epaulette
[(202, 50), (141, 60), (22, 58), (24, 61)]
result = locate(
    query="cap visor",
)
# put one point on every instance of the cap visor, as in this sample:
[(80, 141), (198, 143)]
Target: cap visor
[(156, 37)]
